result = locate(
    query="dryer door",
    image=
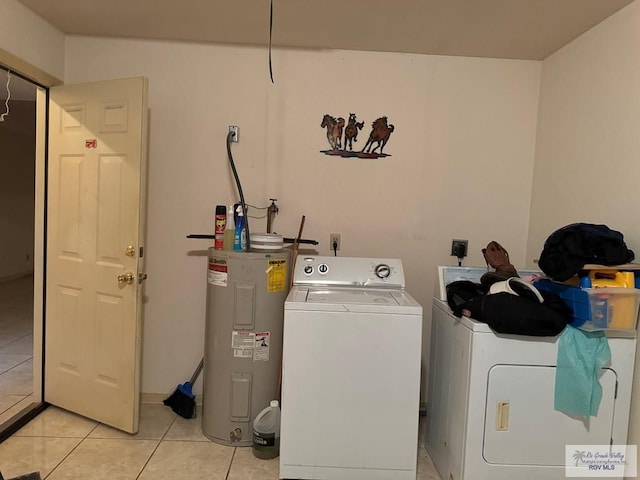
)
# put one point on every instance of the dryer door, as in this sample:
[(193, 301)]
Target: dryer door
[(521, 426)]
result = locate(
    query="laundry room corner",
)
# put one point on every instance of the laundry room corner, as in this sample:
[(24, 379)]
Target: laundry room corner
[(320, 239)]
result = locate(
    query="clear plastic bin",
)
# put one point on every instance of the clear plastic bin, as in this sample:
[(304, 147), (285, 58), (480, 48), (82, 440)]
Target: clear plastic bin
[(607, 308)]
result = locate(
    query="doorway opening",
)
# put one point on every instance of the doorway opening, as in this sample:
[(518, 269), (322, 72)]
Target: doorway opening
[(20, 280)]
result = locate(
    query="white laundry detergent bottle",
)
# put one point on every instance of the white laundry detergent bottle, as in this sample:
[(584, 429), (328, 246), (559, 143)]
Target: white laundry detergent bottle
[(266, 432)]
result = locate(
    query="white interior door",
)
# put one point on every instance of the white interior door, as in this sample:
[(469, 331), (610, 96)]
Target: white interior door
[(95, 237)]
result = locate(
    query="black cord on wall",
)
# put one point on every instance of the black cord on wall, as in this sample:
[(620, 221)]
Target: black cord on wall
[(230, 136), (270, 35)]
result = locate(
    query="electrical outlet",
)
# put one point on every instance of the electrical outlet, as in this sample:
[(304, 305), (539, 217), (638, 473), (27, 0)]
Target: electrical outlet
[(234, 130), (334, 238), (459, 248)]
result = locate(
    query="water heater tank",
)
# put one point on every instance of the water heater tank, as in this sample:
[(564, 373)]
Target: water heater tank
[(243, 340)]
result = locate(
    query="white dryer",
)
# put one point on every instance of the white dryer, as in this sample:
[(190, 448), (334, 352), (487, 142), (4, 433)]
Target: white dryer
[(351, 372), (490, 408)]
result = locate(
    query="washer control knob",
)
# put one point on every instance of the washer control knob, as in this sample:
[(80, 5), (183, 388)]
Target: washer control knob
[(308, 269), (323, 268), (382, 270)]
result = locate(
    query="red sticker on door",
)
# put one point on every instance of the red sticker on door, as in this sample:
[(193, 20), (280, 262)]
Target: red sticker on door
[(92, 143)]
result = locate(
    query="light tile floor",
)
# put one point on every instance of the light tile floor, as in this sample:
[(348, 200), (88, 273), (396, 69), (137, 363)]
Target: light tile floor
[(63, 445), (16, 345)]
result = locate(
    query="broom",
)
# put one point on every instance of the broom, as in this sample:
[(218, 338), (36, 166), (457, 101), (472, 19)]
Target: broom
[(294, 250), (182, 400)]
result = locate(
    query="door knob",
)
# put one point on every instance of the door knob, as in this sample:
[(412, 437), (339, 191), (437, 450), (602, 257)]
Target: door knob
[(126, 279)]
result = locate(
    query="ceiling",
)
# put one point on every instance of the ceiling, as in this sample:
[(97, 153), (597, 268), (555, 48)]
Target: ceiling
[(519, 29)]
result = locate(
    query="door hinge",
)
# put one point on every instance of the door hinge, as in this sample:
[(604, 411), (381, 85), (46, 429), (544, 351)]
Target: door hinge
[(141, 251)]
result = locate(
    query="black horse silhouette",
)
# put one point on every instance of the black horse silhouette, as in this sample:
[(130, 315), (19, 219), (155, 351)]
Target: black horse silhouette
[(351, 131), (380, 133)]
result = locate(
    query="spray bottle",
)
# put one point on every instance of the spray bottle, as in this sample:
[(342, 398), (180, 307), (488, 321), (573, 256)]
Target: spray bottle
[(240, 235), (229, 230), (220, 226)]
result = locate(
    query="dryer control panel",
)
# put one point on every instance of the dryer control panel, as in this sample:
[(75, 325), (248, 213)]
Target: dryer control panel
[(349, 272)]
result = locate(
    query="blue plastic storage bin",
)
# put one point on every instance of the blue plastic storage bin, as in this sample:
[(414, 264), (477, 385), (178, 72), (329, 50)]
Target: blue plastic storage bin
[(608, 308)]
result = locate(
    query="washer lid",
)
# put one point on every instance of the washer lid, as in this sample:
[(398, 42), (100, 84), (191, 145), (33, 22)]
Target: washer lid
[(352, 296), (352, 300)]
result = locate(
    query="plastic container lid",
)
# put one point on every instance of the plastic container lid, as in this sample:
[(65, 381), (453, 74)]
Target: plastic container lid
[(267, 241)]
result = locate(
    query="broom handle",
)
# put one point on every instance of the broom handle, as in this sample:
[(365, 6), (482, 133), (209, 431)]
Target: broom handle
[(197, 372), (294, 255), (294, 250)]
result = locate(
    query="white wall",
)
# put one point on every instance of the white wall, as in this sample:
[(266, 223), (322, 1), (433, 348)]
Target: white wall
[(588, 144), (461, 162), (29, 37), (588, 147)]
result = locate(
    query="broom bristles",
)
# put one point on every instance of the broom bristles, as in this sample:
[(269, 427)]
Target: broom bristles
[(181, 404)]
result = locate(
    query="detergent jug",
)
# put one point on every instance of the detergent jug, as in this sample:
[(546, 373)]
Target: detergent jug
[(266, 432)]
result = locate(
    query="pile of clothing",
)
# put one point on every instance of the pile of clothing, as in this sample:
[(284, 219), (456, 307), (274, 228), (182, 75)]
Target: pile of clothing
[(507, 303)]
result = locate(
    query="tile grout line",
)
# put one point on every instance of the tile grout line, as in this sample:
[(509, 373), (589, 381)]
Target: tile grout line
[(22, 397), (14, 341), (17, 364), (72, 450), (233, 455), (22, 362), (156, 447)]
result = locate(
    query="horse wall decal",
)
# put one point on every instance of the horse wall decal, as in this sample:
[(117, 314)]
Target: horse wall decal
[(380, 133), (334, 128), (351, 132), (329, 122), (337, 132)]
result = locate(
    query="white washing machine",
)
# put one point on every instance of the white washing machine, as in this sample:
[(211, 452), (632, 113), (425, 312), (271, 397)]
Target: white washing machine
[(490, 408), (351, 371)]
